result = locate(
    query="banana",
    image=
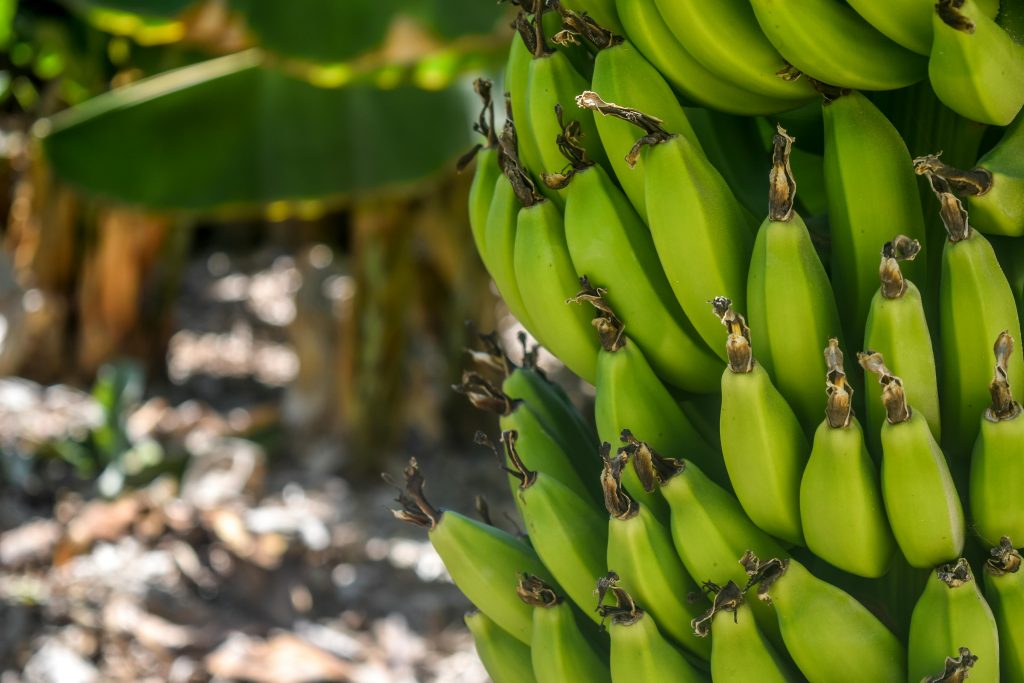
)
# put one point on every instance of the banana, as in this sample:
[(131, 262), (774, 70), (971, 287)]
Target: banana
[(762, 442), (647, 30), (831, 637), (623, 75), (560, 652), (641, 552), (629, 396), (485, 178), (554, 81), (921, 501), (639, 653), (1004, 588), (870, 186), (841, 504), (545, 274), (789, 297), (831, 43), (739, 651), (735, 146), (483, 561), (975, 67), (545, 451), (569, 534), (517, 88), (998, 458), (995, 187), (610, 244), (709, 528), (975, 305), (725, 37), (906, 22), (506, 659), (701, 232), (951, 613), (896, 328)]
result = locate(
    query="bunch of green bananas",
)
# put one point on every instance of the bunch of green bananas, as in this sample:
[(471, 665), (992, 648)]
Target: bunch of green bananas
[(749, 526)]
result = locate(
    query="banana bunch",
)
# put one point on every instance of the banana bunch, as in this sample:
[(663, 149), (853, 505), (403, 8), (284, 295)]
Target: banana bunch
[(718, 516)]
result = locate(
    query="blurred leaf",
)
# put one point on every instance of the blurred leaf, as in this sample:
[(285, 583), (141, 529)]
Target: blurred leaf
[(148, 22), (231, 132), (146, 8), (8, 8)]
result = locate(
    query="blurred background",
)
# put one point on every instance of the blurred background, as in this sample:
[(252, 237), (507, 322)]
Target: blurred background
[(235, 280)]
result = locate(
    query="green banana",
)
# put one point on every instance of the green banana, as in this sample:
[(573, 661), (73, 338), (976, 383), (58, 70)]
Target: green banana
[(841, 504), (762, 442), (623, 75), (561, 652), (921, 501), (789, 297), (517, 89), (739, 651), (545, 274), (896, 328), (485, 178), (998, 458), (545, 450), (870, 186), (610, 244), (640, 551), (908, 22), (831, 43), (709, 528), (735, 146), (951, 613), (975, 305), (975, 67), (647, 30), (725, 37), (569, 534), (506, 659), (701, 232), (995, 187), (629, 396), (831, 637), (1004, 588), (639, 654), (483, 561)]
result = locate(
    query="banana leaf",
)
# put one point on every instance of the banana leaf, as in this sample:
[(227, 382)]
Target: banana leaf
[(235, 133)]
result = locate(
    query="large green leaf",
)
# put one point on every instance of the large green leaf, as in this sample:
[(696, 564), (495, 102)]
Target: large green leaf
[(233, 132)]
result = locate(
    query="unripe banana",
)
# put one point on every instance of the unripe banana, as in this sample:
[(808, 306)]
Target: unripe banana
[(870, 185), (841, 504), (725, 37), (908, 22), (622, 74), (997, 462), (950, 614), (831, 43), (517, 88), (487, 172), (610, 245), (921, 501), (739, 651), (629, 396), (506, 659), (709, 528), (544, 450), (640, 549), (640, 654), (896, 328), (702, 233), (569, 534), (975, 305), (649, 33), (483, 561), (789, 297), (560, 651), (762, 442), (975, 67), (546, 277), (1004, 588), (831, 637)]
